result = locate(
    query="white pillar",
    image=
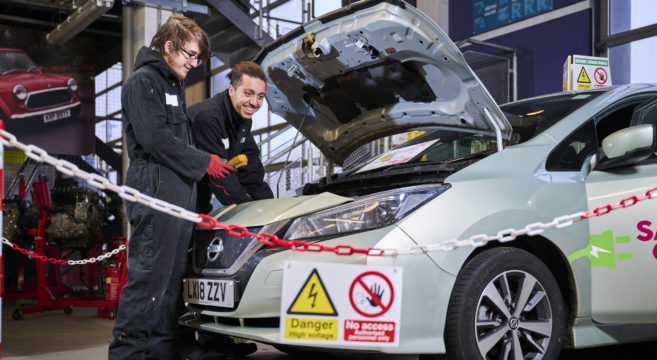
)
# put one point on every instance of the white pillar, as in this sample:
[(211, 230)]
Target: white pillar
[(146, 21)]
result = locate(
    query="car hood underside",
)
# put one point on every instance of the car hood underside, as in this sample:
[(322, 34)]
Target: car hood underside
[(370, 70)]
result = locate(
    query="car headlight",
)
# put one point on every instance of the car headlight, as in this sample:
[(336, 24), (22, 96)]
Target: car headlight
[(72, 84), (365, 213), (20, 92)]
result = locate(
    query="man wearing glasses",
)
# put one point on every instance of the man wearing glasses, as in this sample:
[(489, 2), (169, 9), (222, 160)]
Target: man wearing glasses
[(163, 165)]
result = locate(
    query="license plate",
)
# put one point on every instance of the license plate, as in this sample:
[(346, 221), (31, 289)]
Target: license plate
[(56, 115), (219, 293)]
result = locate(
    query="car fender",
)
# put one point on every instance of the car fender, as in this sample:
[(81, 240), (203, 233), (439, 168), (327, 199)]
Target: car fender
[(5, 111)]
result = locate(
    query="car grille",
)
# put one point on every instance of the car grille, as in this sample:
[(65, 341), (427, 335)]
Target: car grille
[(49, 98), (236, 261), (218, 250)]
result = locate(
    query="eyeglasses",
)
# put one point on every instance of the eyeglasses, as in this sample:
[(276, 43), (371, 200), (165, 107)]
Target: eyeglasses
[(199, 61)]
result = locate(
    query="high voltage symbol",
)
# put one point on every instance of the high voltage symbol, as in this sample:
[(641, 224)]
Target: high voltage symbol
[(583, 77), (313, 299)]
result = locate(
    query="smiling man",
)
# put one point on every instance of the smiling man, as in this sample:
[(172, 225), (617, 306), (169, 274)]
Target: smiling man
[(222, 125)]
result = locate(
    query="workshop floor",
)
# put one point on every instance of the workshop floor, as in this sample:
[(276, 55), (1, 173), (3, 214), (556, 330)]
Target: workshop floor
[(57, 336), (80, 335), (84, 335), (54, 335)]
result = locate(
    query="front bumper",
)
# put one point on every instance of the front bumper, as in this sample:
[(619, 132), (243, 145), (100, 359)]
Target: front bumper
[(35, 119), (425, 296)]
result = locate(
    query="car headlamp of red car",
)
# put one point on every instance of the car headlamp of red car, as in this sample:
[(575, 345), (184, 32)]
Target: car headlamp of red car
[(72, 84), (20, 92)]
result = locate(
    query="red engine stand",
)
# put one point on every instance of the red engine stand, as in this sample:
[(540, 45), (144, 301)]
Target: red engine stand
[(46, 301)]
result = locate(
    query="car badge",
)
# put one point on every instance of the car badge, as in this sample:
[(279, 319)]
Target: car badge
[(215, 248), (49, 85)]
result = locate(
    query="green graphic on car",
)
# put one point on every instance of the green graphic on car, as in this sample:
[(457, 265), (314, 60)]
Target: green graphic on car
[(601, 252)]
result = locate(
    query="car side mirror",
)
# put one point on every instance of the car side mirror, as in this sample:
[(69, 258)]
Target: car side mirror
[(628, 146)]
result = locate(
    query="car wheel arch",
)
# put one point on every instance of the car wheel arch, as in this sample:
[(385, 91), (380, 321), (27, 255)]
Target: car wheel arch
[(546, 251), (495, 329)]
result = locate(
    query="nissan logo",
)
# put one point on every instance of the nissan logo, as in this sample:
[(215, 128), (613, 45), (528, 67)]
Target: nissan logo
[(215, 248)]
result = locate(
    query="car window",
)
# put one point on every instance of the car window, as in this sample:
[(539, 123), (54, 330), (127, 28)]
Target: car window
[(570, 154), (450, 145), (533, 116), (14, 61), (646, 113), (449, 148)]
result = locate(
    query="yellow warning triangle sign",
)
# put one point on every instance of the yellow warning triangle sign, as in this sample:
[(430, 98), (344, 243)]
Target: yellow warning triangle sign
[(313, 299), (583, 77)]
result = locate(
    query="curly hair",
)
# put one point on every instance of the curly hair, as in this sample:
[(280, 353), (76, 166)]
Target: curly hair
[(245, 68), (180, 29)]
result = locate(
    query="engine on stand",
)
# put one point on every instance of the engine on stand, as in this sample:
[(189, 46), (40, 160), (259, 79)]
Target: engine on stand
[(70, 222), (76, 216)]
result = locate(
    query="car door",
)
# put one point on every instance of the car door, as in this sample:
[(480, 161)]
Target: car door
[(623, 243)]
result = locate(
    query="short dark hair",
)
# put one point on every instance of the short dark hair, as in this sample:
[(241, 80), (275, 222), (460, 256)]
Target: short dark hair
[(245, 68), (180, 29)]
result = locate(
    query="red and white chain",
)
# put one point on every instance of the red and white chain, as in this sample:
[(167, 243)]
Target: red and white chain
[(36, 256), (130, 194)]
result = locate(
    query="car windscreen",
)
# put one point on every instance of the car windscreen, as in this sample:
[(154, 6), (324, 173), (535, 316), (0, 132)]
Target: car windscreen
[(528, 118), (533, 116), (435, 146), (14, 61)]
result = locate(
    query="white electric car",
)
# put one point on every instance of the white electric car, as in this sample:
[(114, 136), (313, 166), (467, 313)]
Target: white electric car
[(496, 175)]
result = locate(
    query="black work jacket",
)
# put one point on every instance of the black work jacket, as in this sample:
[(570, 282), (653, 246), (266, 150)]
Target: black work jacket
[(163, 162), (218, 129)]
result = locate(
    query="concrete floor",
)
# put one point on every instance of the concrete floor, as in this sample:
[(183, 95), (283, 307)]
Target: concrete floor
[(54, 335), (80, 335), (84, 335)]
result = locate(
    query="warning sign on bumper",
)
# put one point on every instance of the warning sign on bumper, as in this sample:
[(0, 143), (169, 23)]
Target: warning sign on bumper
[(369, 331), (311, 329), (340, 304)]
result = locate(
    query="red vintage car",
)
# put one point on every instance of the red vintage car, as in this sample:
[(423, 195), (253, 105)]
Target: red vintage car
[(30, 98)]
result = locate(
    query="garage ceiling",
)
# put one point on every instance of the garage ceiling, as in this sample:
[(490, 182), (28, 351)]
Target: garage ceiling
[(229, 24), (45, 15)]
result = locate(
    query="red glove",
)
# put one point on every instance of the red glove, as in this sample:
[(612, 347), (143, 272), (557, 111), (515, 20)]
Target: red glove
[(218, 168)]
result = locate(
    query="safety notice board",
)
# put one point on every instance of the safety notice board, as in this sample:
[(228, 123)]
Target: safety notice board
[(330, 304), (586, 72)]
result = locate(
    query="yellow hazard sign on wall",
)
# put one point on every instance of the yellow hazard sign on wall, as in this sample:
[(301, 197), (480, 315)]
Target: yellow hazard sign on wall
[(586, 72)]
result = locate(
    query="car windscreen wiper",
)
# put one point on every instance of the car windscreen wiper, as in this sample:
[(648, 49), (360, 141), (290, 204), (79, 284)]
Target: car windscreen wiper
[(477, 155)]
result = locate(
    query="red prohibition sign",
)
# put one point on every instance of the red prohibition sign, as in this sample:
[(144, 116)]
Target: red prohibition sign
[(374, 297), (600, 75)]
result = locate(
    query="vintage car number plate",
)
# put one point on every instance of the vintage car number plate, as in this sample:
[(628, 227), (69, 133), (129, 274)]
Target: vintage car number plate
[(209, 292), (56, 115)]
